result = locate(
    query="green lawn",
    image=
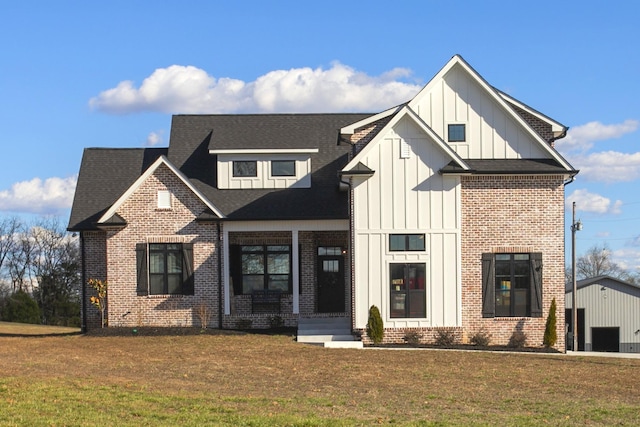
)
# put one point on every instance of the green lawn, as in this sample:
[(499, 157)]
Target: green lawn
[(260, 380)]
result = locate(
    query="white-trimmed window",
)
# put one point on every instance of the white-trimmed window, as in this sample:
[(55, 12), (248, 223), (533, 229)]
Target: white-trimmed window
[(456, 132), (164, 199), (245, 168), (283, 168), (406, 242)]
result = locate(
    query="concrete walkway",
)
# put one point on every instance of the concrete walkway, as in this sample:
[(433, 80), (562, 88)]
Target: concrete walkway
[(604, 354)]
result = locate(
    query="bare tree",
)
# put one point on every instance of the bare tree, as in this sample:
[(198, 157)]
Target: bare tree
[(597, 262), (19, 260), (9, 227)]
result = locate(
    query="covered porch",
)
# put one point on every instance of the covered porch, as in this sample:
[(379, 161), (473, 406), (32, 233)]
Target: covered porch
[(276, 272)]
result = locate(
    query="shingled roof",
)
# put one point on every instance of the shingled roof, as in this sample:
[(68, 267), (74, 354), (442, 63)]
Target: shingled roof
[(105, 174)]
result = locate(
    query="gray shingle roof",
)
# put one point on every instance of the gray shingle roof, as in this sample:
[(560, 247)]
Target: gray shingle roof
[(105, 174), (507, 166)]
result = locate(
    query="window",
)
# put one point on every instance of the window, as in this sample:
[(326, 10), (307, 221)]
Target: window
[(164, 199), (259, 267), (329, 251), (408, 298), (245, 168), (406, 242), (456, 133), (512, 285), (283, 168), (165, 268)]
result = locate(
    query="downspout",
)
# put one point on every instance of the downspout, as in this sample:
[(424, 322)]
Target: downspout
[(220, 287), (83, 275), (351, 254)]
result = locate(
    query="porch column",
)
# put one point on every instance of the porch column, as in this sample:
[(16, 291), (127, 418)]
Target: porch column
[(295, 260), (225, 271)]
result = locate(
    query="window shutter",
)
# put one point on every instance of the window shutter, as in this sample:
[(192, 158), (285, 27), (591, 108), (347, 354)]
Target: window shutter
[(488, 285), (187, 269), (235, 268), (536, 284), (142, 287)]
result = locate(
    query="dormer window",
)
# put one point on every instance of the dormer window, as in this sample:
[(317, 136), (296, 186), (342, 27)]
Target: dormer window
[(245, 168), (456, 133), (266, 168), (283, 168)]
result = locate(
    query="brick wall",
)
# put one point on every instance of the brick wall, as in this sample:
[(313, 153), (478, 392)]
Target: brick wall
[(95, 259), (543, 128), (147, 224), (512, 214)]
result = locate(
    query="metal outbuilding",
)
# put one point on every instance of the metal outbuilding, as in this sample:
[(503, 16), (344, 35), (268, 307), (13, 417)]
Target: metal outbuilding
[(608, 315)]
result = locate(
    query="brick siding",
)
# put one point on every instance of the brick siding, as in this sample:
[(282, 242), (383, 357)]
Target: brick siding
[(512, 214), (145, 224)]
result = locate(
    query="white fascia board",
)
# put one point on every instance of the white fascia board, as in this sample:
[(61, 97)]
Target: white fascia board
[(491, 91), (351, 129), (161, 160), (265, 151), (556, 127), (281, 225), (443, 145), (406, 111)]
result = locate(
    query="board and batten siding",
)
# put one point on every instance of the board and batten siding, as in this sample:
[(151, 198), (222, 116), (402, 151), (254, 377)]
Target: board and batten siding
[(264, 179), (491, 133), (608, 303), (407, 196)]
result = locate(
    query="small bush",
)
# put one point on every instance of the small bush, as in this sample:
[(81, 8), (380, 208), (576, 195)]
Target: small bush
[(518, 339), (375, 327), (412, 337), (481, 338), (446, 337), (550, 333), (20, 307)]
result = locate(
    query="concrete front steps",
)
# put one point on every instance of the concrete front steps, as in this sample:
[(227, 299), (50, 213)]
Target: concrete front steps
[(334, 332)]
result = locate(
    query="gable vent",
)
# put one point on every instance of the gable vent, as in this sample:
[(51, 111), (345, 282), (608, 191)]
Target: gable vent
[(405, 149)]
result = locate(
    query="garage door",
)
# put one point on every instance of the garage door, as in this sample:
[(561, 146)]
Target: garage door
[(605, 339)]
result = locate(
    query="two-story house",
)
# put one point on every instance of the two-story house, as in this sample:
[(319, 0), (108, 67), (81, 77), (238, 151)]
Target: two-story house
[(444, 212)]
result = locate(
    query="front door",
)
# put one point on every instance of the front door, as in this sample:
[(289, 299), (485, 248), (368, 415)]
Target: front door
[(330, 280)]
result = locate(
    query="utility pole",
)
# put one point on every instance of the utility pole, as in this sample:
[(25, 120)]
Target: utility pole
[(575, 226)]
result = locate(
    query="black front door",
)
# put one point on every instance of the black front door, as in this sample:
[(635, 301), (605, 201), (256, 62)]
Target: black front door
[(330, 281)]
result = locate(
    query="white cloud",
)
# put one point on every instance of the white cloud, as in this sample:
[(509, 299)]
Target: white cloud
[(37, 196), (591, 202), (582, 137), (154, 138), (628, 258), (187, 89), (608, 166)]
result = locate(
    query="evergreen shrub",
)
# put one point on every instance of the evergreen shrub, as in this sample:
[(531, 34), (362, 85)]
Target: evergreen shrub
[(550, 333), (375, 327), (20, 307)]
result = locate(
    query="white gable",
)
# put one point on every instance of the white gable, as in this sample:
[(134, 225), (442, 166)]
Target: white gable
[(492, 132)]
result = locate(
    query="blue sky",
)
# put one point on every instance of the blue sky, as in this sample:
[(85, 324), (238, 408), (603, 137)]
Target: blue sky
[(76, 74)]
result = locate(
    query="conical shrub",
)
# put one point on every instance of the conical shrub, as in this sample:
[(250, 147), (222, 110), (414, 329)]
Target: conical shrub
[(375, 328), (550, 333)]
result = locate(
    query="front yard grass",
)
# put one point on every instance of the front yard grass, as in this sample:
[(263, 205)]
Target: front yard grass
[(256, 380)]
